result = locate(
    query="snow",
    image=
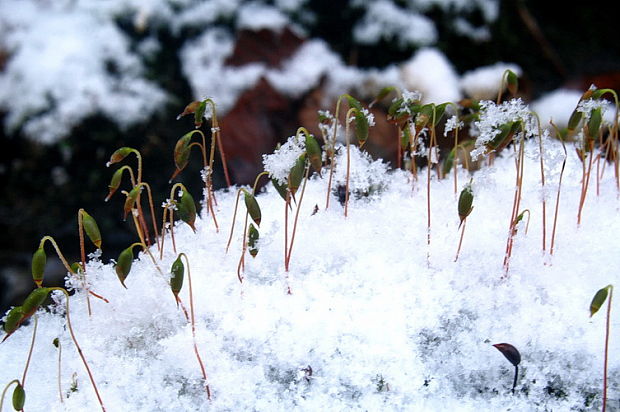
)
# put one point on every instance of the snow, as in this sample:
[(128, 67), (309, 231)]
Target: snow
[(484, 82), (430, 72), (377, 319), (71, 60)]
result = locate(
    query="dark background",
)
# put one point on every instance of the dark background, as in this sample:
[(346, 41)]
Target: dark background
[(574, 47)]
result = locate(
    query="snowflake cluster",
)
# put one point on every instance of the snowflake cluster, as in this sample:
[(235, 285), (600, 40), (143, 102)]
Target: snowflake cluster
[(279, 164), (492, 116)]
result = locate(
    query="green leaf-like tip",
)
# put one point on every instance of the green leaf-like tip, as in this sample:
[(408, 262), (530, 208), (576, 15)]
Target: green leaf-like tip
[(314, 153), (425, 115), (177, 272), (512, 82), (440, 110), (253, 236), (119, 155), (115, 183), (186, 208), (252, 206), (574, 120), (296, 174), (34, 300), (199, 114), (599, 299), (39, 259), (280, 188), (594, 123), (466, 200), (13, 319), (361, 127), (91, 229), (182, 151), (353, 102), (123, 264), (382, 94), (19, 397), (131, 199)]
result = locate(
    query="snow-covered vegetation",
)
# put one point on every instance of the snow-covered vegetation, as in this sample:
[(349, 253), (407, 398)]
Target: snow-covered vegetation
[(346, 300)]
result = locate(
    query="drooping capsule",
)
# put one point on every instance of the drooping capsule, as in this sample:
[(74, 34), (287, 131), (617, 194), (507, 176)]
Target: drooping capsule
[(253, 236), (252, 206), (296, 174), (13, 319), (186, 209), (177, 272), (131, 199), (123, 264), (91, 229), (466, 200), (34, 300), (314, 153), (120, 154), (599, 299), (115, 183), (510, 352), (19, 397), (39, 260)]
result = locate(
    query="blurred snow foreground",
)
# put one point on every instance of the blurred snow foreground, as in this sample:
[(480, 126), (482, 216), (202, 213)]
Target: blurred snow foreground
[(67, 61), (377, 319)]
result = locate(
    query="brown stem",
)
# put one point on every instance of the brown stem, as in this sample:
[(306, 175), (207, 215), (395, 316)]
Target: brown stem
[(83, 256), (59, 374), (333, 154), (605, 363), (301, 197), (585, 183), (458, 250), (193, 322), (34, 335), (557, 200), (232, 226), (79, 349)]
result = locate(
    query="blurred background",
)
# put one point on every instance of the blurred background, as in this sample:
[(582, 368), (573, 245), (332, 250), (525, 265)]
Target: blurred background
[(79, 79)]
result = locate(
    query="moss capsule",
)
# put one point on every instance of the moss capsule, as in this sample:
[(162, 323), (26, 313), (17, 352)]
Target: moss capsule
[(123, 264), (252, 206), (176, 280), (19, 397), (39, 259)]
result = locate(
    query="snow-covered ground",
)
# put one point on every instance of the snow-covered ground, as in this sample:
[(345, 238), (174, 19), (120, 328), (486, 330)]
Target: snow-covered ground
[(377, 319)]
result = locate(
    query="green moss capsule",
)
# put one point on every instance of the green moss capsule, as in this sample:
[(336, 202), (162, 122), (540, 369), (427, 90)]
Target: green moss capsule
[(176, 280), (120, 154), (253, 236), (19, 397), (296, 174), (34, 300), (594, 123), (314, 153), (13, 319), (39, 260), (131, 199), (466, 200), (123, 264), (512, 82), (115, 183), (186, 208), (91, 229), (252, 206), (182, 151), (599, 299)]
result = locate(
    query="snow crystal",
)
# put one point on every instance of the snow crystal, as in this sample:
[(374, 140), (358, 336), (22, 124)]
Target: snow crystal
[(279, 163), (492, 116)]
